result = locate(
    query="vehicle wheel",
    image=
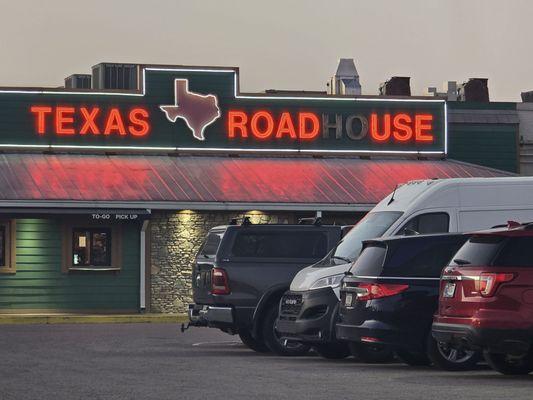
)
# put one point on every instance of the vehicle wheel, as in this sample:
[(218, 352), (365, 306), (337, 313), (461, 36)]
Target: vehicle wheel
[(371, 353), (274, 342), (252, 343), (413, 358), (333, 351), (510, 365), (449, 358)]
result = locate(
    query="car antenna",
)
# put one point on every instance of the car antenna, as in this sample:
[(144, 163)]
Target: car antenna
[(392, 197)]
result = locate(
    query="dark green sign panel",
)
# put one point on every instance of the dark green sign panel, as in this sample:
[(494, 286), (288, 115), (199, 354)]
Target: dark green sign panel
[(202, 110)]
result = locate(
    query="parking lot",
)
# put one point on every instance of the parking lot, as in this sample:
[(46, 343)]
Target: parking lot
[(156, 361)]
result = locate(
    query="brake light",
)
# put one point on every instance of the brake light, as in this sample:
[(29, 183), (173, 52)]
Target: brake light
[(219, 281), (370, 291), (489, 282)]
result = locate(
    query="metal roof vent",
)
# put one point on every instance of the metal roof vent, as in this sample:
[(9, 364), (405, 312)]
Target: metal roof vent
[(346, 79)]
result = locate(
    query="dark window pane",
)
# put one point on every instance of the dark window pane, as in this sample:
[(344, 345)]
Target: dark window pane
[(479, 250), (280, 244), (91, 247), (429, 223), (2, 245), (424, 258), (517, 252), (370, 261), (211, 244)]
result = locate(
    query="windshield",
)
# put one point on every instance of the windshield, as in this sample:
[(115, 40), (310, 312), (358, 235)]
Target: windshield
[(373, 225)]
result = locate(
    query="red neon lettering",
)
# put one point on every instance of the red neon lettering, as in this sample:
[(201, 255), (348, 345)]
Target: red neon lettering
[(268, 129), (139, 122), (41, 112), (64, 116), (308, 120), (380, 137), (237, 121), (402, 131), (89, 124), (114, 123), (286, 126), (423, 127)]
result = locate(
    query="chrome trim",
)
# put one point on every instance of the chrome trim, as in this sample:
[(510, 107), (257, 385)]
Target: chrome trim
[(459, 278), (416, 278)]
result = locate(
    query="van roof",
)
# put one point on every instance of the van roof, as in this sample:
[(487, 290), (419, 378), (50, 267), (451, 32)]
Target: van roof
[(421, 190)]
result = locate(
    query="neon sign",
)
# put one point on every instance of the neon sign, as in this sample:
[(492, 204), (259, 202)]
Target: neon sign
[(68, 120), (202, 110)]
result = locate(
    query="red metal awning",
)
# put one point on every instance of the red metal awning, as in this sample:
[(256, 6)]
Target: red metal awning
[(189, 181)]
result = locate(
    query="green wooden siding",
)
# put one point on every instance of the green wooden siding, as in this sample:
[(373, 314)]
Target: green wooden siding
[(490, 145), (40, 284)]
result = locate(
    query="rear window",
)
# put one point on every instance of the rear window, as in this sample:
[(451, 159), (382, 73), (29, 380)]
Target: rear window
[(408, 258), (280, 244), (516, 252), (370, 261), (210, 246), (479, 250), (421, 258)]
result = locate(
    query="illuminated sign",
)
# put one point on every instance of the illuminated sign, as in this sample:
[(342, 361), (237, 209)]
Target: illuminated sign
[(198, 109)]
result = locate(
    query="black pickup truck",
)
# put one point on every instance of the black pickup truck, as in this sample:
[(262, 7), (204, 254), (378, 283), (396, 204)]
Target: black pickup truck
[(241, 272)]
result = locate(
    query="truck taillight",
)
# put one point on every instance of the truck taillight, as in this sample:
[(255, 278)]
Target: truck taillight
[(370, 291), (219, 281), (489, 282)]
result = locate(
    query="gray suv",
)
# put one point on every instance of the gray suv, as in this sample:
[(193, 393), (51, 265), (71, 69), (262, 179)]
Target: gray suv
[(241, 272)]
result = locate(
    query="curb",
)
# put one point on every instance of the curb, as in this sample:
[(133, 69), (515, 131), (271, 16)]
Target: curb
[(12, 319)]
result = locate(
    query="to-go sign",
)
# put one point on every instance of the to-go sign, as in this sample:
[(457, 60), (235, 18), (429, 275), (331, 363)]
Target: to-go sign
[(115, 217)]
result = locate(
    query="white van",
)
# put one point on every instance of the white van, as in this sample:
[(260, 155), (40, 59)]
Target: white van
[(428, 206)]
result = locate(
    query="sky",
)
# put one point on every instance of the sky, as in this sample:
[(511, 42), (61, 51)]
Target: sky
[(277, 44)]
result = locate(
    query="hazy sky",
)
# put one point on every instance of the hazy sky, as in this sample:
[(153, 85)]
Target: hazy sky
[(282, 44)]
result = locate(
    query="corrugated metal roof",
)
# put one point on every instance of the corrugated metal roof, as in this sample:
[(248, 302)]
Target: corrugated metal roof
[(153, 181)]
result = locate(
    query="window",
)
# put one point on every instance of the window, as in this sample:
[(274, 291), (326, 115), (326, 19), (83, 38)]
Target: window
[(424, 258), (517, 252), (89, 246), (427, 223), (210, 247), (7, 247), (280, 244), (479, 250)]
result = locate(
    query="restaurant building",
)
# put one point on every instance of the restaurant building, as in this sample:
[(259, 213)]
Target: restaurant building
[(106, 194)]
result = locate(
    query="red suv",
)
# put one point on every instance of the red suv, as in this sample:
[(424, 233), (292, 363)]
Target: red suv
[(486, 298)]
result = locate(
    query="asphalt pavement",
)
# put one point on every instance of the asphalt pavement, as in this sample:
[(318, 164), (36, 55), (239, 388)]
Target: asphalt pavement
[(156, 361)]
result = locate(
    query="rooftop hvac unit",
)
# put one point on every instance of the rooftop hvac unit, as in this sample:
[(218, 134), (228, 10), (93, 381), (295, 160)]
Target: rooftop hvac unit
[(115, 76), (396, 86), (476, 89), (527, 97), (78, 81)]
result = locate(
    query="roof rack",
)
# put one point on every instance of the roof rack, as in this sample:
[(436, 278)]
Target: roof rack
[(316, 221)]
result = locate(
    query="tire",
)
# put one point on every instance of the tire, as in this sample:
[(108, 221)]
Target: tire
[(510, 365), (413, 359), (251, 343), (371, 353), (449, 358), (333, 350), (272, 340)]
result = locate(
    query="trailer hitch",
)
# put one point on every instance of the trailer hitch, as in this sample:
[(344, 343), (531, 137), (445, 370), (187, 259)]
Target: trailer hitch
[(184, 327)]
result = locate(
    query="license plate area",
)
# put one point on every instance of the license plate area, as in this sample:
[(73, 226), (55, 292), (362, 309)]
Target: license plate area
[(449, 290), (348, 300)]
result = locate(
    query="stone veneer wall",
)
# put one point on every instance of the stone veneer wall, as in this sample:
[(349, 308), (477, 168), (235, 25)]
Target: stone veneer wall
[(175, 240)]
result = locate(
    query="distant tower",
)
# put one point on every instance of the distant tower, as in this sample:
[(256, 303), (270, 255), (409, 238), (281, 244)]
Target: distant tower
[(346, 79)]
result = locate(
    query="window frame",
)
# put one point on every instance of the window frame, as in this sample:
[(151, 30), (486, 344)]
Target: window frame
[(10, 266), (68, 246)]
